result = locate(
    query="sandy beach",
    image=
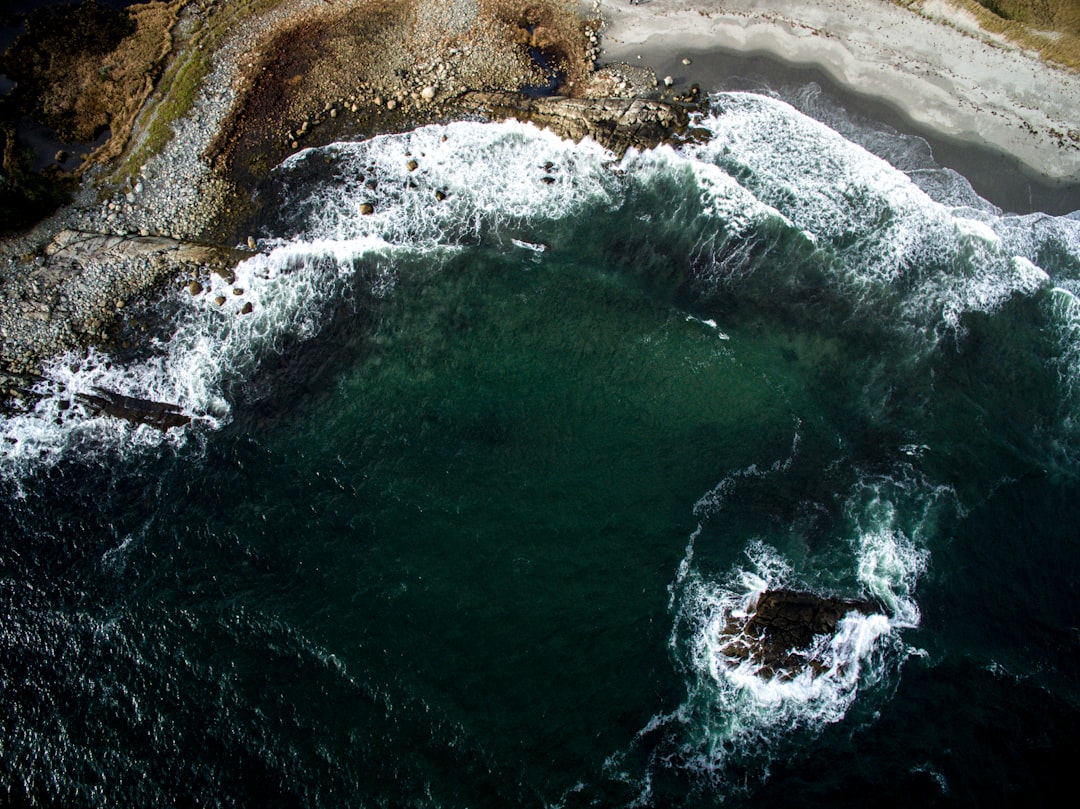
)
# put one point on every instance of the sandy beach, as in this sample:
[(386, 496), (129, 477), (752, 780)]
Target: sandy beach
[(935, 68)]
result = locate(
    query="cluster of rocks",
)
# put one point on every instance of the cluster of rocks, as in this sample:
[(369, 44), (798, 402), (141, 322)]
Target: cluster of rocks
[(423, 91), (782, 626), (621, 81)]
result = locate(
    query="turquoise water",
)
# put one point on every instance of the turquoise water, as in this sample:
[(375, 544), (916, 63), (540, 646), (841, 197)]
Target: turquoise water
[(469, 494)]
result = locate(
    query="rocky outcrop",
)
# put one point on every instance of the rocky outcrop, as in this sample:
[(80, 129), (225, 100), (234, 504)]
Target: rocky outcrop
[(782, 626), (617, 123), (18, 392), (73, 292), (160, 415)]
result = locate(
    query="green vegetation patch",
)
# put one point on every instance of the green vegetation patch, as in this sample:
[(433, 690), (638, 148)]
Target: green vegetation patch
[(1050, 28)]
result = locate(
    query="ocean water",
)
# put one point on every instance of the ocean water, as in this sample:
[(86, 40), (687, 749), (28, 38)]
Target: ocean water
[(469, 495)]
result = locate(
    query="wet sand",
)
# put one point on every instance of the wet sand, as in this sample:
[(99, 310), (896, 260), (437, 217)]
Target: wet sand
[(987, 111)]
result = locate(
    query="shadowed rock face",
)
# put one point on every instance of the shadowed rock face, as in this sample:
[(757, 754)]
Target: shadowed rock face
[(17, 393), (160, 415), (783, 625)]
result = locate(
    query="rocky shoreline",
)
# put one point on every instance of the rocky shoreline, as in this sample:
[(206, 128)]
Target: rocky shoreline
[(288, 76), (242, 85), (76, 291)]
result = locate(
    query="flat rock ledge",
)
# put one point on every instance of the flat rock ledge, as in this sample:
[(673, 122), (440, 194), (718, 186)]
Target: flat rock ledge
[(616, 123), (782, 626), (72, 294)]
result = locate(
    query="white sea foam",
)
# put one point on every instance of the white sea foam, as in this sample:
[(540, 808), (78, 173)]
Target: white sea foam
[(1063, 309), (904, 257), (489, 176), (211, 346), (934, 263)]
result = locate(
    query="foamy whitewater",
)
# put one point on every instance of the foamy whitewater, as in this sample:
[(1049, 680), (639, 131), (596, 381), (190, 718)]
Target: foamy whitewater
[(788, 253)]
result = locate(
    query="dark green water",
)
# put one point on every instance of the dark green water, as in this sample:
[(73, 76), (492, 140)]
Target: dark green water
[(461, 543)]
